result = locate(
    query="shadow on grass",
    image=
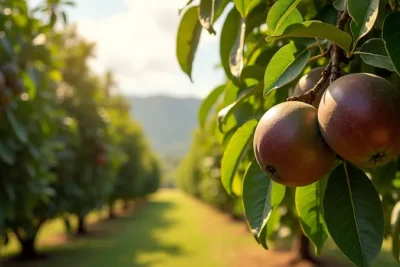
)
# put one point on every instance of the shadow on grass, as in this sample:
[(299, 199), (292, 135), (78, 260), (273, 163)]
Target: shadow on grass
[(115, 243)]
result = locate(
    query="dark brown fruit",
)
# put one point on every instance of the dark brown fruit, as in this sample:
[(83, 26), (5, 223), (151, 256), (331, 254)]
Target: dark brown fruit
[(359, 117), (10, 72), (308, 81), (289, 147)]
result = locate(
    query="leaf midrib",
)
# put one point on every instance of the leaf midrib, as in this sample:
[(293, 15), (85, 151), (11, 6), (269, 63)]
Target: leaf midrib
[(354, 210), (286, 14), (291, 62)]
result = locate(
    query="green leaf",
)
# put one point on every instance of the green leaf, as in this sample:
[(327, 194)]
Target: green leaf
[(340, 5), (234, 153), (285, 66), (396, 232), (225, 113), (391, 36), (245, 6), (29, 84), (19, 130), (309, 207), (255, 72), (260, 196), (189, 32), (208, 103), (273, 224), (354, 214), (373, 52), (236, 55), (262, 237), (364, 14), (7, 154), (208, 13), (317, 29), (229, 35), (282, 14)]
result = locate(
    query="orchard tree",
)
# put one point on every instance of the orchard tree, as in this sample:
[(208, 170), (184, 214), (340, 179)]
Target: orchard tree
[(29, 118), (312, 95)]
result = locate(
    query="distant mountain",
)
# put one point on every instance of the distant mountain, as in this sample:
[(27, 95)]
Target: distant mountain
[(168, 122)]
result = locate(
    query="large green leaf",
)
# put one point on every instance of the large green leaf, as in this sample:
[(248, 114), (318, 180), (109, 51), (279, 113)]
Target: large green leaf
[(396, 231), (188, 38), (354, 214), (309, 207), (364, 14), (18, 128), (6, 153), (236, 55), (391, 36), (373, 52), (208, 103), (282, 14), (234, 153), (225, 114), (285, 66), (317, 29), (260, 196), (208, 12), (229, 35), (245, 6)]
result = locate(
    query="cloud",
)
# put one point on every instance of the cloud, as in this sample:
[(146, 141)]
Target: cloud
[(138, 43)]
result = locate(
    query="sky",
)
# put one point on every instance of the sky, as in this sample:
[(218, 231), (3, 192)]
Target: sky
[(136, 39)]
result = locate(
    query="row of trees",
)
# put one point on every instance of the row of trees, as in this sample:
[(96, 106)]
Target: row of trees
[(266, 47), (68, 145)]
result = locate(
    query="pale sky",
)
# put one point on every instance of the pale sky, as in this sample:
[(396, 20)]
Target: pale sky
[(136, 39)]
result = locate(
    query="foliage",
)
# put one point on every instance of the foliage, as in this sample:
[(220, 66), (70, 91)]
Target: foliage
[(265, 47), (61, 149)]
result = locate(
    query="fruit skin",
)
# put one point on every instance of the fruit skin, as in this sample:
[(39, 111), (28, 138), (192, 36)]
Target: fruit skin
[(359, 118), (289, 147), (308, 81)]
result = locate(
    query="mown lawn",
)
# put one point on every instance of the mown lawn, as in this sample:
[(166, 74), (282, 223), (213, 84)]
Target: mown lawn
[(172, 230)]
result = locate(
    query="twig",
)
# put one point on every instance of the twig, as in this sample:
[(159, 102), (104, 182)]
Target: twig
[(332, 70), (337, 52), (310, 95)]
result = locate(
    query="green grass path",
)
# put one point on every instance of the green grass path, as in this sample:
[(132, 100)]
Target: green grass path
[(172, 230)]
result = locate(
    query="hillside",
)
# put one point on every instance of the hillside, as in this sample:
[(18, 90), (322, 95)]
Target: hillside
[(167, 121)]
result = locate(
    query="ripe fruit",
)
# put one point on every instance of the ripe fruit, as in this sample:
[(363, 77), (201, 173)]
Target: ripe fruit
[(289, 147), (308, 81), (359, 117)]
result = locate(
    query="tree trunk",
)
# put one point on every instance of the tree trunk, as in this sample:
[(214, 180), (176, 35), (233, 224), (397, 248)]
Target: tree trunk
[(111, 214), (302, 249), (81, 226), (28, 249)]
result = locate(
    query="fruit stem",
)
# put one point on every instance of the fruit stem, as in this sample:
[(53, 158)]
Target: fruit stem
[(332, 70), (310, 95)]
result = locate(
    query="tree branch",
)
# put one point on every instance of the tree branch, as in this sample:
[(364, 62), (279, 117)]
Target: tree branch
[(332, 70), (337, 52), (310, 95)]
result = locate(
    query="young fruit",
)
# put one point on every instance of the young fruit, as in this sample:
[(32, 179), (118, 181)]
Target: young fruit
[(289, 147), (359, 117), (308, 81)]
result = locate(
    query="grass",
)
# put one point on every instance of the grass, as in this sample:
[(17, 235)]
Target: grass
[(171, 231)]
